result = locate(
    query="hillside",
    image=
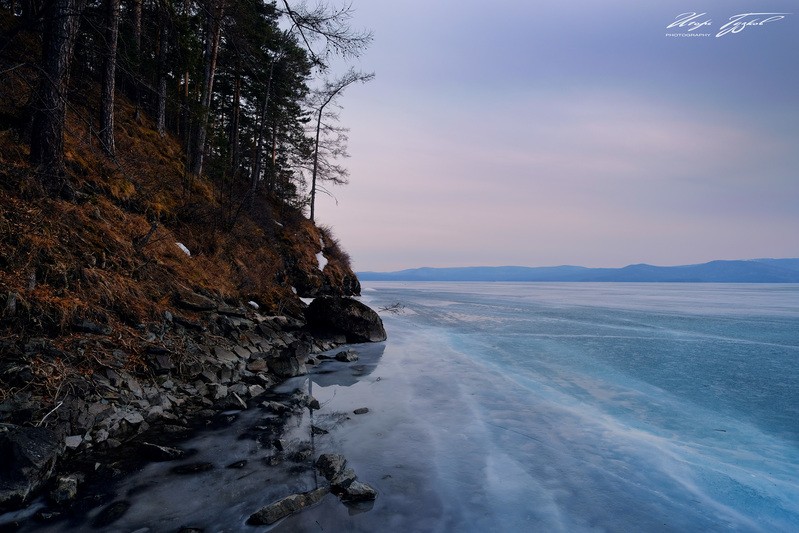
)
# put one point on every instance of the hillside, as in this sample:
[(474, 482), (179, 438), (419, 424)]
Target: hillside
[(744, 271), (141, 294)]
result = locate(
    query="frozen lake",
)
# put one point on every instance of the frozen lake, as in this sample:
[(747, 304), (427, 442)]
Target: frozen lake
[(576, 407)]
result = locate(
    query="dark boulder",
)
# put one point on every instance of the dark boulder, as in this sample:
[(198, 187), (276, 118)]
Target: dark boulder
[(28, 458), (330, 315)]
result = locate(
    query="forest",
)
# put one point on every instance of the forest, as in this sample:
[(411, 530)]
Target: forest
[(229, 79)]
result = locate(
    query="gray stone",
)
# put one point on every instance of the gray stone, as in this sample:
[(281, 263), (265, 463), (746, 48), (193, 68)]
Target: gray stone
[(257, 365), (217, 391), (361, 411), (357, 491), (195, 302), (343, 480), (347, 356), (73, 441), (330, 465), (225, 355), (256, 390), (242, 352), (289, 505)]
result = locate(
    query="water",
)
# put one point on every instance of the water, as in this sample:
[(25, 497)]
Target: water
[(532, 407)]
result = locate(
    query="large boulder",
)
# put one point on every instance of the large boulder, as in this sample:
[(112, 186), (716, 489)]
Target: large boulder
[(28, 458), (332, 315)]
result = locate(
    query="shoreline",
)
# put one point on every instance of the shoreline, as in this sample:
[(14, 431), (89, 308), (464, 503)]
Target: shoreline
[(229, 360)]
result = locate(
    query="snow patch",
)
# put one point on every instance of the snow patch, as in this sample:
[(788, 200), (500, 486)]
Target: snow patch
[(294, 290), (183, 248), (320, 257), (307, 301), (253, 305)]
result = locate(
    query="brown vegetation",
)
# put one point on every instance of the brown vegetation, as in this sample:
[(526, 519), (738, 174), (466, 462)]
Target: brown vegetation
[(110, 256)]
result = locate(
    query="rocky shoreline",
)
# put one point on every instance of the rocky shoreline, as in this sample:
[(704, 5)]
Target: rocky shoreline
[(202, 367)]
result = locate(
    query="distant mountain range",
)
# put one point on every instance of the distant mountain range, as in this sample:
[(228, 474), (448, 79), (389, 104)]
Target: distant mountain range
[(741, 271)]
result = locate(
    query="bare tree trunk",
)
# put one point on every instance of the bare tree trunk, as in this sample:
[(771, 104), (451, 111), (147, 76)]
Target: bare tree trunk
[(163, 46), (62, 18), (109, 77), (259, 144), (316, 159), (235, 124), (211, 51), (137, 18)]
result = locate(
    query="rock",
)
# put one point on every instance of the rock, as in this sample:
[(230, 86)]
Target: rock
[(357, 491), (257, 365), (289, 505), (330, 465), (162, 363), (347, 356), (217, 391), (224, 355), (238, 464), (313, 404), (155, 452), (28, 458), (330, 315), (72, 442), (195, 302), (316, 430), (290, 361), (65, 490), (361, 411), (232, 311), (342, 481), (256, 390), (87, 326)]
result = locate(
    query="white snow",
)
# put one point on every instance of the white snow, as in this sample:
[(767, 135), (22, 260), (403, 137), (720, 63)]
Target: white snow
[(320, 257), (294, 290), (253, 305), (183, 247), (307, 301)]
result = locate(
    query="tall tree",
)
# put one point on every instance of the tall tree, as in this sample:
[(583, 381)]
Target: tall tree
[(163, 50), (213, 35), (109, 76), (324, 97), (61, 22)]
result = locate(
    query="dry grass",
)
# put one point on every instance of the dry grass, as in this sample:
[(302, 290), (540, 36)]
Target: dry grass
[(64, 262)]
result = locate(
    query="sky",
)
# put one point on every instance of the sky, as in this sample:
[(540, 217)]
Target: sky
[(546, 133)]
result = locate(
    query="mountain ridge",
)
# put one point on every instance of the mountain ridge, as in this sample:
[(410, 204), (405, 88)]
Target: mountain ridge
[(764, 270)]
